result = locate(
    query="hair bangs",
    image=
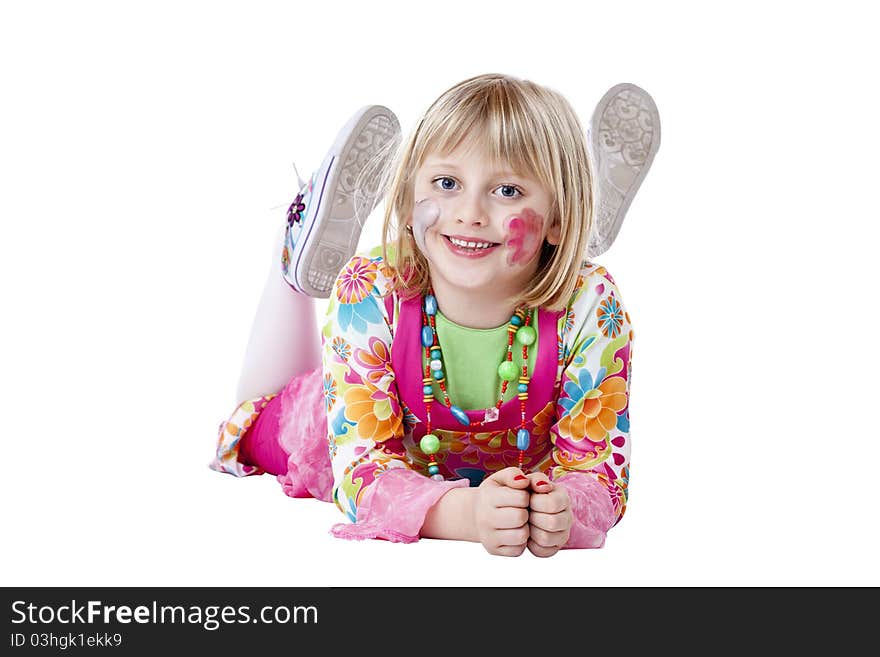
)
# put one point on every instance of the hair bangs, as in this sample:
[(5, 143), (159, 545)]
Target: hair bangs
[(494, 124)]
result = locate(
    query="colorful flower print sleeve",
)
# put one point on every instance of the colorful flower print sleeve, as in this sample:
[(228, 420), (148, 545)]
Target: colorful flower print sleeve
[(591, 445), (374, 483), (230, 434)]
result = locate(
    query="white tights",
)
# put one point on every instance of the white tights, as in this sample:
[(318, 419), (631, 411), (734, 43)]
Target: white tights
[(284, 339)]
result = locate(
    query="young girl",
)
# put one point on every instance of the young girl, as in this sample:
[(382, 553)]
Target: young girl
[(472, 379)]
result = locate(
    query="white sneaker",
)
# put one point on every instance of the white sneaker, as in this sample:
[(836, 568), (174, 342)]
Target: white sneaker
[(325, 220), (624, 135)]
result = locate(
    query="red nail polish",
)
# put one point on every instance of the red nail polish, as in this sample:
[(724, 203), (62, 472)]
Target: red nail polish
[(519, 477), (541, 483)]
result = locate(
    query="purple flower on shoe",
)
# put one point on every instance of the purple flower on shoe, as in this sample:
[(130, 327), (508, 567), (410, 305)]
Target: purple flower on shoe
[(294, 212)]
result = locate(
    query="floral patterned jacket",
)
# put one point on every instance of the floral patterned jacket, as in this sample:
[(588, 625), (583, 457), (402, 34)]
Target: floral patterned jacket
[(580, 425)]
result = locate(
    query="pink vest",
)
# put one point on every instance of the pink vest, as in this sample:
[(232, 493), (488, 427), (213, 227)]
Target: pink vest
[(491, 447)]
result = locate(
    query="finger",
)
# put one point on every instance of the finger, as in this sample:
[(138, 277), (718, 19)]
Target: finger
[(539, 482), (540, 551), (504, 496), (555, 502), (548, 539), (509, 518), (508, 550), (550, 522), (511, 537), (513, 477)]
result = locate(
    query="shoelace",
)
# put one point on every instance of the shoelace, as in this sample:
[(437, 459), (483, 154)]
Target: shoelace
[(300, 182), (301, 185)]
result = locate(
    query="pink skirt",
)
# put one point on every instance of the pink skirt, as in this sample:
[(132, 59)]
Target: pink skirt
[(298, 438), (302, 434)]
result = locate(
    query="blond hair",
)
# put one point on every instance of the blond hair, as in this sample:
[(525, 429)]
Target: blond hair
[(530, 127)]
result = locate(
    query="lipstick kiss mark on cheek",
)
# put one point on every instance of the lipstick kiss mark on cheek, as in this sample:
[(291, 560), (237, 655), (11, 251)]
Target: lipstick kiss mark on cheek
[(523, 237)]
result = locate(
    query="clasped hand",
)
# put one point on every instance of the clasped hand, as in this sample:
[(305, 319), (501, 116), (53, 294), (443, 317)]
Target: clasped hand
[(515, 510)]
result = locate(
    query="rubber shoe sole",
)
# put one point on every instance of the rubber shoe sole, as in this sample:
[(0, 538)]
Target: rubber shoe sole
[(342, 199), (624, 135)]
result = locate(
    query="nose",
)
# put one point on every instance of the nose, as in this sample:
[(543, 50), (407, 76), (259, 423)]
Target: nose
[(471, 212)]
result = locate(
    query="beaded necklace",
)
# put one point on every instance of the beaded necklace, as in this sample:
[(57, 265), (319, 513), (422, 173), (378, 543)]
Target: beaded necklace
[(507, 371)]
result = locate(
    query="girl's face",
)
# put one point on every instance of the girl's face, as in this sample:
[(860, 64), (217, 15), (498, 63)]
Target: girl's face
[(480, 227)]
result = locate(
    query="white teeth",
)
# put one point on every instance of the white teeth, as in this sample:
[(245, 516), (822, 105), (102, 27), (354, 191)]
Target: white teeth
[(470, 245)]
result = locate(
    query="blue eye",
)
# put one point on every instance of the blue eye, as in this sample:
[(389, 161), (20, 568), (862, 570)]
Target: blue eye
[(443, 183), (512, 189)]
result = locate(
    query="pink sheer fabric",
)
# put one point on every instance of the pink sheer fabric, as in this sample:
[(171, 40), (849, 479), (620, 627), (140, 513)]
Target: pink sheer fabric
[(303, 435), (394, 507), (293, 427), (592, 510)]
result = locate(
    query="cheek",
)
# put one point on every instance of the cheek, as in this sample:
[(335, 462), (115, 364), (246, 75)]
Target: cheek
[(425, 214), (523, 239)]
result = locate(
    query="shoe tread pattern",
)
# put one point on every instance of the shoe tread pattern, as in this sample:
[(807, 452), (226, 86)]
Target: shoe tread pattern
[(625, 141), (351, 199)]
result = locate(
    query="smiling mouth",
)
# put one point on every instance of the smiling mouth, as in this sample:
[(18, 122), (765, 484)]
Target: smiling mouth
[(468, 245)]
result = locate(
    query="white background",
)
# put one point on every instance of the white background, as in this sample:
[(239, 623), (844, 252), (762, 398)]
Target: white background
[(146, 155)]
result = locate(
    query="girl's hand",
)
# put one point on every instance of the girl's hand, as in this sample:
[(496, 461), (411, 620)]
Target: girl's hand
[(549, 516), (501, 512)]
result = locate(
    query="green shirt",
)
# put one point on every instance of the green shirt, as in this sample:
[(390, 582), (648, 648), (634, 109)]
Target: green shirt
[(470, 362)]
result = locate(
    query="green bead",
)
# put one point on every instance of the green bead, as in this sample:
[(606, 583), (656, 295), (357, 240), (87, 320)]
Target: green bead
[(526, 335), (508, 371), (429, 444)]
